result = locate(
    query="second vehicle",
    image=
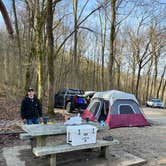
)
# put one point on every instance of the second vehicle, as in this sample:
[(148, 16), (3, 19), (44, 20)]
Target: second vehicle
[(154, 102), (70, 99)]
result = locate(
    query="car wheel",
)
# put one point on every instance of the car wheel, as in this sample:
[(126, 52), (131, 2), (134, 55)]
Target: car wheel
[(68, 107)]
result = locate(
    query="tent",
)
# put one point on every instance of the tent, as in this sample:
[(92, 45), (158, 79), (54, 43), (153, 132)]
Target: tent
[(116, 109)]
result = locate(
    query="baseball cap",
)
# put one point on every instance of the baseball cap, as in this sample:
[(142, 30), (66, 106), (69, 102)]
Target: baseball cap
[(30, 89)]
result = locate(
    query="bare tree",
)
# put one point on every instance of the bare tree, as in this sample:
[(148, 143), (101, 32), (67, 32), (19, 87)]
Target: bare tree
[(20, 80), (112, 41), (103, 27), (50, 47), (75, 56)]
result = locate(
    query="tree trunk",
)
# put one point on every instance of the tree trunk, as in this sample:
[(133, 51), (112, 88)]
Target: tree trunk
[(162, 77), (20, 80), (6, 67), (133, 74), (126, 80), (138, 79), (112, 41), (75, 58), (148, 80), (103, 38), (50, 47), (163, 91), (38, 37), (118, 76), (30, 51), (155, 69)]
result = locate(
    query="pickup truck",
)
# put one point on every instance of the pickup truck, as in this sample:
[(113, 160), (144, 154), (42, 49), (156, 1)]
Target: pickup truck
[(70, 99)]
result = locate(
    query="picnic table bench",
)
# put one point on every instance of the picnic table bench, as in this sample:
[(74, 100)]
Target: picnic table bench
[(52, 151)]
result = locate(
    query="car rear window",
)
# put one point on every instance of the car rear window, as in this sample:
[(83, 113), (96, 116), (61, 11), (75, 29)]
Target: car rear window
[(75, 92), (156, 100)]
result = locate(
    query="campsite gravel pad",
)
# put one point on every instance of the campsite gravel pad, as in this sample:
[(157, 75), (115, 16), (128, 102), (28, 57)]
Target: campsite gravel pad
[(148, 143)]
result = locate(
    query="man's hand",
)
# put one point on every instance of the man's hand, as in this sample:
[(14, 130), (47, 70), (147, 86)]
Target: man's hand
[(24, 121), (40, 119)]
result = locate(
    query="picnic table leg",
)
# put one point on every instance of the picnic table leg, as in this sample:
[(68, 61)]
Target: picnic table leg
[(53, 160), (40, 141), (33, 142), (105, 152)]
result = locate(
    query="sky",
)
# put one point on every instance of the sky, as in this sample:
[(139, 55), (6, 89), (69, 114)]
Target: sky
[(7, 4)]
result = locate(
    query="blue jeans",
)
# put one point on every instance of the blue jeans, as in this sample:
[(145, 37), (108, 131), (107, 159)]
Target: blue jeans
[(33, 121)]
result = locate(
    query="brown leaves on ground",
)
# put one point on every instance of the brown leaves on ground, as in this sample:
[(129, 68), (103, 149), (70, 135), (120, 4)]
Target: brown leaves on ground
[(9, 109)]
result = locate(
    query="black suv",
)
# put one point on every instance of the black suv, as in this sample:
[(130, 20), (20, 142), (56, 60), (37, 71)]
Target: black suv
[(70, 99)]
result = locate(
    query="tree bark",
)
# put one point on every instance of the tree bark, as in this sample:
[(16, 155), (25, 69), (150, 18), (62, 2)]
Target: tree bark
[(163, 91), (38, 37), (112, 41), (50, 48), (75, 56), (118, 76), (103, 40), (162, 77), (138, 79), (148, 80), (133, 74), (20, 80), (155, 73), (29, 50)]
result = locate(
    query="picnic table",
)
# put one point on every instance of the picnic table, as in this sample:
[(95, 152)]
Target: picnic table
[(41, 131)]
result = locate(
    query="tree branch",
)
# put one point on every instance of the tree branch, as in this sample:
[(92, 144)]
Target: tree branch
[(93, 11)]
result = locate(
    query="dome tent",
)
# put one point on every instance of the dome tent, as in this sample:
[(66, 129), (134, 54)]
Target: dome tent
[(116, 109)]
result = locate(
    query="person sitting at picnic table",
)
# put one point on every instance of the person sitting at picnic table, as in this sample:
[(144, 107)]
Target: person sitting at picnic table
[(31, 108)]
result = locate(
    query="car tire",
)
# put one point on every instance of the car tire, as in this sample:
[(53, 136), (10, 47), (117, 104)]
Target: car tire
[(68, 107)]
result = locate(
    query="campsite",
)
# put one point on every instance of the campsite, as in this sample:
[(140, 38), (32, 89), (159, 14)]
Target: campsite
[(83, 82), (148, 143)]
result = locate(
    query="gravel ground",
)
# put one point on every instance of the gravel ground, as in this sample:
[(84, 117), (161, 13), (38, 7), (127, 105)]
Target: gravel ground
[(146, 142)]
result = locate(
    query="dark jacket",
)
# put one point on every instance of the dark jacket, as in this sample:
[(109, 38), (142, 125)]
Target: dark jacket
[(31, 108)]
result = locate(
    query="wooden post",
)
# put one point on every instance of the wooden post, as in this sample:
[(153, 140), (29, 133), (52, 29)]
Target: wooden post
[(105, 152), (53, 160), (33, 143), (40, 141)]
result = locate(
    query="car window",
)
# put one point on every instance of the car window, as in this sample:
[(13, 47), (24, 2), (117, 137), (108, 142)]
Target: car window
[(62, 92), (72, 91), (81, 92), (156, 100), (75, 92)]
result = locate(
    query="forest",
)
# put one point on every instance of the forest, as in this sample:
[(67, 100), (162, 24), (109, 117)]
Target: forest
[(87, 44)]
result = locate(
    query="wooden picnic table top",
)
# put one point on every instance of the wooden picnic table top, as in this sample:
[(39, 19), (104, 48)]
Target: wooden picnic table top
[(53, 129)]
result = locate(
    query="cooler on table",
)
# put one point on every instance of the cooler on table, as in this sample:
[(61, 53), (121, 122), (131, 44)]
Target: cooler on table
[(81, 134)]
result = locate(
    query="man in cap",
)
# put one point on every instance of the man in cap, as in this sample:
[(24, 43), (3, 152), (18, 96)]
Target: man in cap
[(31, 108)]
